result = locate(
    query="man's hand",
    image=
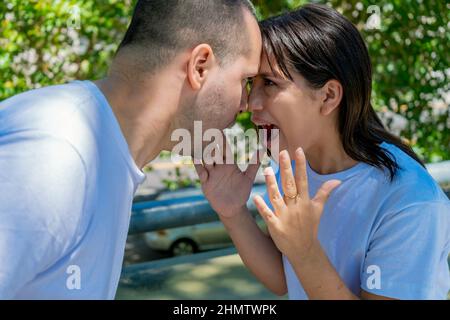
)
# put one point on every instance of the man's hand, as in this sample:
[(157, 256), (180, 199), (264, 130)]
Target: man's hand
[(226, 187)]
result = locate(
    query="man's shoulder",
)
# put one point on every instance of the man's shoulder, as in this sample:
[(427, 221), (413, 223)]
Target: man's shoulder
[(46, 109), (64, 112), (72, 92)]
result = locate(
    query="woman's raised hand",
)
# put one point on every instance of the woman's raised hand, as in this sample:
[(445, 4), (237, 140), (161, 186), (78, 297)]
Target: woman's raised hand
[(294, 221)]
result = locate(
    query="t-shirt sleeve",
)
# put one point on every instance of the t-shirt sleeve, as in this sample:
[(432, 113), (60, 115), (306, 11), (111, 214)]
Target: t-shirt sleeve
[(407, 254), (42, 194)]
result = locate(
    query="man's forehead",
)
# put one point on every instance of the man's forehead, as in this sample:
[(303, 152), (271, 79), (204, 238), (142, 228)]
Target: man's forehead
[(254, 57), (254, 42)]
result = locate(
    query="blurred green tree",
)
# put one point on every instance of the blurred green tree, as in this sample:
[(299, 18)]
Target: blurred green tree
[(45, 42)]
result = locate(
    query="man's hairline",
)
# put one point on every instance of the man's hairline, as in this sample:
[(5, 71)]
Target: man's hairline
[(222, 62)]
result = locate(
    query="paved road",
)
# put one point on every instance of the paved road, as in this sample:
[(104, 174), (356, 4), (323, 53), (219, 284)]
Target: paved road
[(214, 275), (136, 251)]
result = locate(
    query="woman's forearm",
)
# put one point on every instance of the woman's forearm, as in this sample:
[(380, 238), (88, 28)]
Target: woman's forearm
[(319, 278), (257, 251)]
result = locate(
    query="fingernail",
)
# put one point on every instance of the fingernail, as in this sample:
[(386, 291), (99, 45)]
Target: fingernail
[(283, 154), (299, 151), (269, 171)]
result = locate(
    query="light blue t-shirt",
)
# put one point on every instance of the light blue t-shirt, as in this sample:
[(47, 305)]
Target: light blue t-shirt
[(388, 238), (67, 181)]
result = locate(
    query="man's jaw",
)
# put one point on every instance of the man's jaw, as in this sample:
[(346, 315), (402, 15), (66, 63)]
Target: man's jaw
[(231, 124)]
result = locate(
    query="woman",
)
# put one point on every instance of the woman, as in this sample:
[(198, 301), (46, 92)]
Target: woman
[(358, 217)]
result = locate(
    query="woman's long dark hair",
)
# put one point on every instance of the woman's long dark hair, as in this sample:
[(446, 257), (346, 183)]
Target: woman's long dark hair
[(320, 44)]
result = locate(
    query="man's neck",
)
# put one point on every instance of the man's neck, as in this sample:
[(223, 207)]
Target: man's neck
[(144, 114)]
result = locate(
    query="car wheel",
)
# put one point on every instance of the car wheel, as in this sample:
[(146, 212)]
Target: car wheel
[(183, 247)]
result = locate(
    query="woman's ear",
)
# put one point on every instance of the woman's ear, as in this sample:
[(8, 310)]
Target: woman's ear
[(200, 63), (332, 93)]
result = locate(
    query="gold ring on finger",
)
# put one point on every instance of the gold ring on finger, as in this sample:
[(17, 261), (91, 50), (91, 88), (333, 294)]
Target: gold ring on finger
[(291, 197)]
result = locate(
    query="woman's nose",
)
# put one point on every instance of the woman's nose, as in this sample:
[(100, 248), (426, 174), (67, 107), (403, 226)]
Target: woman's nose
[(255, 102)]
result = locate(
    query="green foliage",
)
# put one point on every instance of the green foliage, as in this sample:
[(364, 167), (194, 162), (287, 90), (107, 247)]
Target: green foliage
[(45, 42), (179, 180)]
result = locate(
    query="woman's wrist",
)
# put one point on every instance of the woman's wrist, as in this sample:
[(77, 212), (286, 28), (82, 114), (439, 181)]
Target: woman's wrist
[(307, 257), (234, 216), (232, 212)]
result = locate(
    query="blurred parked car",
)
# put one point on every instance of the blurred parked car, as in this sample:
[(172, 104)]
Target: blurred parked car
[(212, 235), (191, 239)]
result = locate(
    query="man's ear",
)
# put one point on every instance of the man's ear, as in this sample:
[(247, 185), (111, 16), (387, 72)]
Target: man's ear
[(331, 96), (200, 63)]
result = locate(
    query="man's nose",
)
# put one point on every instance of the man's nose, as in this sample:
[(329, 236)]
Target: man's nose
[(244, 101)]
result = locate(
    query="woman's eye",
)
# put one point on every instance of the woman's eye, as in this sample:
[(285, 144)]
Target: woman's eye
[(269, 83)]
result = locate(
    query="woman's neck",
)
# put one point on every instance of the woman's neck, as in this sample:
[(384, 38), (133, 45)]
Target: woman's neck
[(329, 157)]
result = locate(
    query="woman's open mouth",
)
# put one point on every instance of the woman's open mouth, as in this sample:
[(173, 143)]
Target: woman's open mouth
[(268, 133)]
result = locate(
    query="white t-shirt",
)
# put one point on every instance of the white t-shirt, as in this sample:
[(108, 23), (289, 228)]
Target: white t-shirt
[(67, 181), (388, 238)]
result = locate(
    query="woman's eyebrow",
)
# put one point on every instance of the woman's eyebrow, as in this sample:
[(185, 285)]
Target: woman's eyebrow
[(267, 75), (272, 76)]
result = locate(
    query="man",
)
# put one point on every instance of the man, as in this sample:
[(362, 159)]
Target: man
[(71, 155)]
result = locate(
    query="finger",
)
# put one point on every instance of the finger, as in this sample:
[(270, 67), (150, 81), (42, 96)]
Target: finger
[(264, 210), (208, 161), (274, 193), (255, 163), (287, 177), (202, 172), (227, 151), (212, 156), (209, 168), (325, 190), (301, 177)]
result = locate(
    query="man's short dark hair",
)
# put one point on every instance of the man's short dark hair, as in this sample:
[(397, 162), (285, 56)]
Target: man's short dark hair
[(161, 29)]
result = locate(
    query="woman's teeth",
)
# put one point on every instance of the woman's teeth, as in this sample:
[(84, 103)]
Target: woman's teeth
[(271, 134), (269, 126)]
